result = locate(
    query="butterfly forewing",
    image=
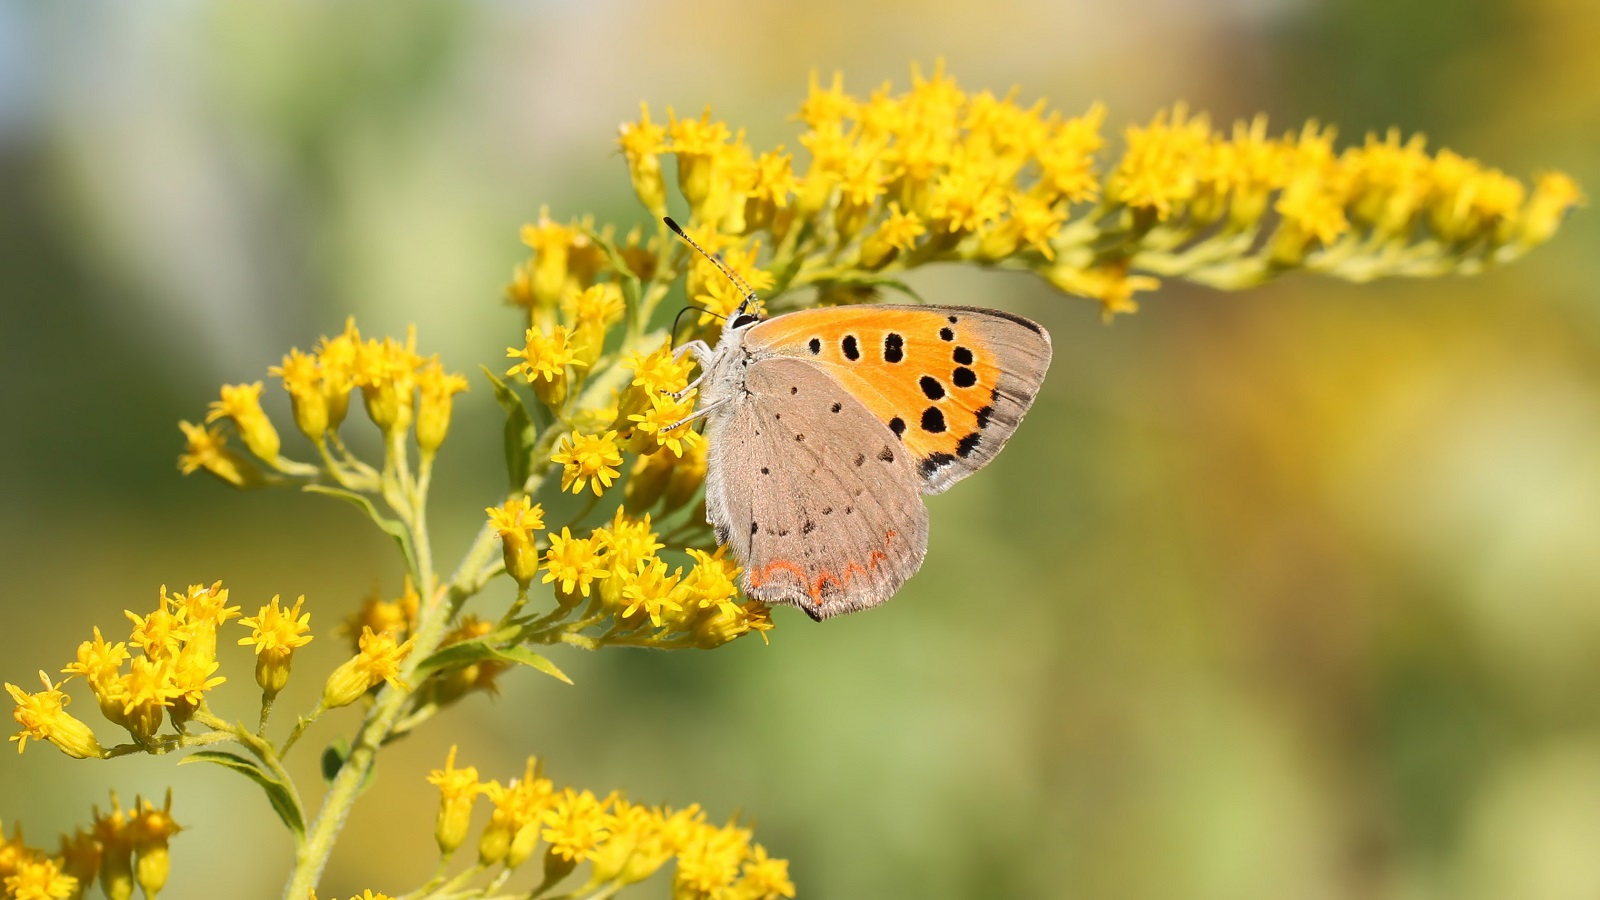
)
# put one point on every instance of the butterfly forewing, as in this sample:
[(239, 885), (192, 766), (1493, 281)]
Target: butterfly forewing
[(817, 497), (951, 383)]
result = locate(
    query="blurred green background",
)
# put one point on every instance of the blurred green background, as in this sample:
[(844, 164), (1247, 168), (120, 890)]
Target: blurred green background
[(1290, 593)]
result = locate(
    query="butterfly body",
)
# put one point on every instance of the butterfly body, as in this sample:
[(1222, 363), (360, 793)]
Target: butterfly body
[(826, 425)]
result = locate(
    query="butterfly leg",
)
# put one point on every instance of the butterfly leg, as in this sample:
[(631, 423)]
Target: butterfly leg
[(701, 351), (697, 414)]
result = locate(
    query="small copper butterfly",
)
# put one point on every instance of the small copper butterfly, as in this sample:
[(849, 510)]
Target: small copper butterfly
[(824, 425)]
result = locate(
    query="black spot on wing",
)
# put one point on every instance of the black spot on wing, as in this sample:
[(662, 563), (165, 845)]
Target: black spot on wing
[(964, 377), (894, 348), (861, 460), (851, 349), (983, 416), (946, 334), (808, 527), (931, 388), (933, 420), (836, 407), (963, 356), (886, 454), (814, 345), (968, 444), (934, 462), (897, 425)]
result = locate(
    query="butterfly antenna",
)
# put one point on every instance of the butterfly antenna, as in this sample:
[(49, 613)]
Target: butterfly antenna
[(750, 299), (688, 309)]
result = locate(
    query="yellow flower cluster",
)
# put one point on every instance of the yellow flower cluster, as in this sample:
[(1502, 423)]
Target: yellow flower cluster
[(623, 843), (637, 595), (402, 391), (897, 180), (122, 848), (168, 679)]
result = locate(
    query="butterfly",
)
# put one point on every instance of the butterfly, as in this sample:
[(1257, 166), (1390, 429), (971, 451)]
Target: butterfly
[(824, 426)]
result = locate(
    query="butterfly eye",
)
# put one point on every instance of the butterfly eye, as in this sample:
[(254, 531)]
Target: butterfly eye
[(743, 320)]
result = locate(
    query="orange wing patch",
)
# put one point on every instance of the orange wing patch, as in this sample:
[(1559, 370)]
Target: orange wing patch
[(917, 369)]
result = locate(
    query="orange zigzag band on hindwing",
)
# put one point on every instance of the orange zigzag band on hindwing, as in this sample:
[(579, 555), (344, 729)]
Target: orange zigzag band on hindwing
[(758, 578)]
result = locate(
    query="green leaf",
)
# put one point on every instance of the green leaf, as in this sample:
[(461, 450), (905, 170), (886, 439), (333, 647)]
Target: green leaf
[(523, 656), (334, 758), (282, 797), (389, 526), (466, 653), (519, 433)]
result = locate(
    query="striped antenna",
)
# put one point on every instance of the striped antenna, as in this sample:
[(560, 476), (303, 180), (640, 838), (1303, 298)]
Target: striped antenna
[(750, 299)]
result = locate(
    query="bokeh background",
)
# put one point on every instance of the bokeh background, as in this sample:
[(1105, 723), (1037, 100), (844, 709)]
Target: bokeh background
[(1288, 593)]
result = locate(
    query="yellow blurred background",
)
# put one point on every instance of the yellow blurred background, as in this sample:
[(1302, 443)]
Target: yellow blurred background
[(1279, 594)]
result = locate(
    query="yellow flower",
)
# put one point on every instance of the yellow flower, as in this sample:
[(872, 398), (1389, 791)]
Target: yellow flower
[(242, 404), (207, 449), (546, 356), (1554, 195), (764, 878), (573, 564), (457, 790), (276, 633), (162, 633), (1111, 285), (1157, 171), (708, 864), (114, 833), (513, 829), (144, 693), (653, 429), (641, 144), (700, 146), (203, 609), (397, 616), (898, 233), (649, 589), (655, 372), (151, 829), (718, 626), (43, 717), (1066, 157), (336, 363), (713, 580), (302, 380), (435, 389), (40, 878), (378, 661), (627, 543), (552, 244), (588, 459), (98, 662), (386, 372), (516, 522), (189, 676), (831, 105), (575, 824), (591, 311)]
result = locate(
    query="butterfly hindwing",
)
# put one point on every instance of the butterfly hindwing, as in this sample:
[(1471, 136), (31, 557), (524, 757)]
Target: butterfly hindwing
[(815, 495), (951, 382)]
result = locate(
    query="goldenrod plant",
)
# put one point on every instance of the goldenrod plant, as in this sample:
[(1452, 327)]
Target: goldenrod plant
[(595, 403)]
